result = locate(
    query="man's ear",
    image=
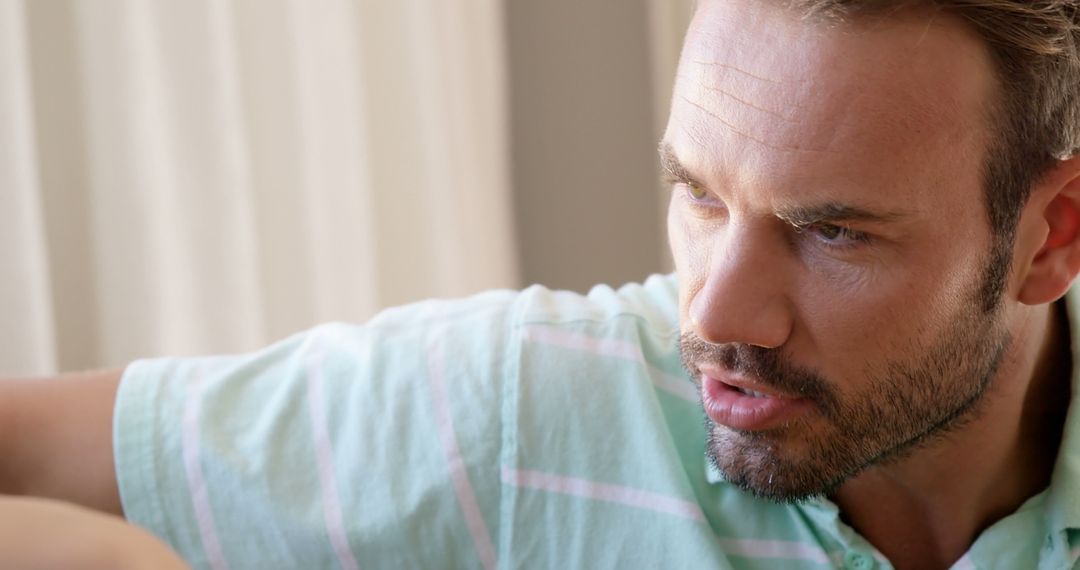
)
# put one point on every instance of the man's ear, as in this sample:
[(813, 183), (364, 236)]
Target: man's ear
[(1052, 230)]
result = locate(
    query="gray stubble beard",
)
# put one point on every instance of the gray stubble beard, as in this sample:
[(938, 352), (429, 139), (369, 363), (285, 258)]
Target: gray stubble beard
[(907, 407)]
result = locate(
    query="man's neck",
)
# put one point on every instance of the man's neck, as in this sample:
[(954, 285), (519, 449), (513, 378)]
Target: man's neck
[(926, 510)]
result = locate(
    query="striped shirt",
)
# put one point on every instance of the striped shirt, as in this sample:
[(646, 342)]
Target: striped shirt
[(535, 429)]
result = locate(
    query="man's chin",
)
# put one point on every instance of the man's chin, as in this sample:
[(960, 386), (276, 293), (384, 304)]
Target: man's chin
[(772, 465)]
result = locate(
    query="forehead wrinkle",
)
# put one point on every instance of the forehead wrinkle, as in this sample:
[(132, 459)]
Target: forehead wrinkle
[(844, 113), (724, 92), (710, 95), (727, 124), (737, 69), (731, 95)]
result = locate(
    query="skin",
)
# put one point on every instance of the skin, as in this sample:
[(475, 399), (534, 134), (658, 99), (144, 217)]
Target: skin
[(774, 114), (56, 443), (45, 534), (56, 438)]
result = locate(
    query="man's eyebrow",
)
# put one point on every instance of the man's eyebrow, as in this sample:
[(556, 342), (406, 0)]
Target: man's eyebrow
[(798, 216), (805, 216), (672, 167)]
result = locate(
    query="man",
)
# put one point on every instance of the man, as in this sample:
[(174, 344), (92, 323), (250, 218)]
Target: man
[(45, 534), (875, 217)]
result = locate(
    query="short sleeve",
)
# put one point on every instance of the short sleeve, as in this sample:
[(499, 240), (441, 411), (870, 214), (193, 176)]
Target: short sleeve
[(349, 446)]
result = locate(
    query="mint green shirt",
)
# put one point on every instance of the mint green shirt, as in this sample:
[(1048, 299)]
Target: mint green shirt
[(536, 429)]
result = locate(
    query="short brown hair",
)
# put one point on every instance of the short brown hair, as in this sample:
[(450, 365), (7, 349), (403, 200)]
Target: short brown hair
[(1036, 122)]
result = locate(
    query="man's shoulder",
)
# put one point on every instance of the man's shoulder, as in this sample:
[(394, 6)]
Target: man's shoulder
[(653, 301)]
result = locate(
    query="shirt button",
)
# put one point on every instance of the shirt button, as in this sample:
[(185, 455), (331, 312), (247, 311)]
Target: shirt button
[(858, 561)]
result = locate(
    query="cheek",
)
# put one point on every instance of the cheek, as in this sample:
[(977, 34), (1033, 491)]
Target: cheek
[(845, 329), (676, 236), (690, 253), (885, 316), (678, 239)]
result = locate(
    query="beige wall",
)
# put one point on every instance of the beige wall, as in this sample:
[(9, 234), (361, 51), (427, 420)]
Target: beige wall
[(588, 87)]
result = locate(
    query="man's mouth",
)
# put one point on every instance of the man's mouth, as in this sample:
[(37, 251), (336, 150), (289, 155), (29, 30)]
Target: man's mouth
[(750, 393), (746, 404)]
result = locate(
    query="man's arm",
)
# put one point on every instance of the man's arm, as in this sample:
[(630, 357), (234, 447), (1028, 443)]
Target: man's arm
[(56, 439), (45, 534)]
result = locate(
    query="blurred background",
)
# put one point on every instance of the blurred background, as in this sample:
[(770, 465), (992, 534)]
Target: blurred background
[(207, 176)]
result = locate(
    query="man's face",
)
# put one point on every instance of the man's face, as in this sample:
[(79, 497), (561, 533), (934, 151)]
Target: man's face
[(830, 238)]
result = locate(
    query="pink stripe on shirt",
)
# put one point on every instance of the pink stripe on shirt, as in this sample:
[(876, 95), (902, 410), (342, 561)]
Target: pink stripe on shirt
[(474, 520), (603, 492), (324, 455), (785, 549), (200, 495)]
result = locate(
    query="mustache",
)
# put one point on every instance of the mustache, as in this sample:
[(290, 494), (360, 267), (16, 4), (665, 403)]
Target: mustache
[(771, 367)]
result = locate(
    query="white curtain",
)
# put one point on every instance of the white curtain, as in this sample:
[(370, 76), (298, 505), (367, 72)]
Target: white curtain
[(209, 175)]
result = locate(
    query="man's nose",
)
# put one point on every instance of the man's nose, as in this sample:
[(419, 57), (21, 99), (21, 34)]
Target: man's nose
[(743, 298)]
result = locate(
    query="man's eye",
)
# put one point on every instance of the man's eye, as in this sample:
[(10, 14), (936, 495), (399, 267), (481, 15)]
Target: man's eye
[(836, 235), (696, 192)]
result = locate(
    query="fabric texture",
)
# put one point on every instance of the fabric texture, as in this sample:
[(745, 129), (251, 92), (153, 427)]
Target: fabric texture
[(538, 429)]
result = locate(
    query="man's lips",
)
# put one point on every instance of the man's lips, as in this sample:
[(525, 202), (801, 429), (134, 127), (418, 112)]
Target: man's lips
[(745, 404)]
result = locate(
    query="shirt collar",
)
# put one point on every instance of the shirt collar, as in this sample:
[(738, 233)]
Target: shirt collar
[(1063, 506)]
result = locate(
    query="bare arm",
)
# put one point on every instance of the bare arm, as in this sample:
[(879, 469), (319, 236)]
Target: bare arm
[(56, 439), (47, 534)]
